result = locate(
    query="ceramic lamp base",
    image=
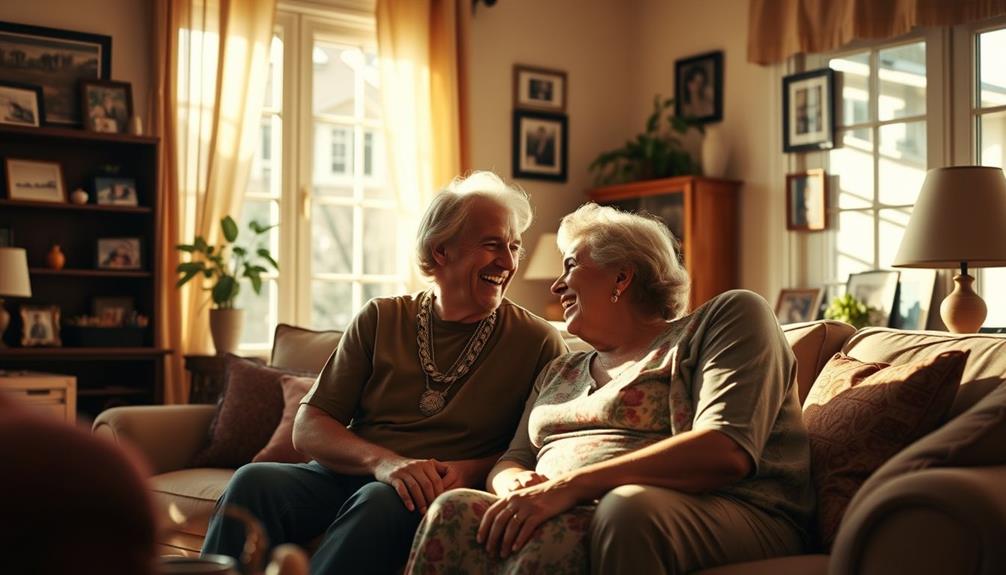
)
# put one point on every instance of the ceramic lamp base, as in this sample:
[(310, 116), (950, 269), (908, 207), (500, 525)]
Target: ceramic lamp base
[(963, 311)]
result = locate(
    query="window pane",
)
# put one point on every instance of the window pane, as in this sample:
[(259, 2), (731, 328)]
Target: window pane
[(333, 159), (992, 79), (853, 164), (855, 243), (334, 78), (902, 163), (855, 84), (371, 75), (264, 179), (892, 228), (274, 79), (993, 139), (260, 312), (265, 212), (993, 285), (331, 239), (902, 75), (380, 253), (375, 182), (331, 304), (370, 291)]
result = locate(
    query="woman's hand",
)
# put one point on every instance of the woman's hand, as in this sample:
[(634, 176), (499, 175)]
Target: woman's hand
[(522, 479), (509, 523)]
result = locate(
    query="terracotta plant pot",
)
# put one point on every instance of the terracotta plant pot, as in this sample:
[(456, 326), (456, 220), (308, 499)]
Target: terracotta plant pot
[(225, 326)]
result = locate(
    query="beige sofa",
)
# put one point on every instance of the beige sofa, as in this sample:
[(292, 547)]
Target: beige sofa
[(935, 520)]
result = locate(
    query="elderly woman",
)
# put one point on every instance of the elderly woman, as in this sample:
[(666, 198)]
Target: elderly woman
[(676, 445)]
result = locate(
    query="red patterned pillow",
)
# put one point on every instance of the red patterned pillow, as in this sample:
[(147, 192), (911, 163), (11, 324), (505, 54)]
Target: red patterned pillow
[(859, 415), (280, 447), (248, 412)]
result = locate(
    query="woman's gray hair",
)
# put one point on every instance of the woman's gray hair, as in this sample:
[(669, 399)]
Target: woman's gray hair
[(638, 241), (447, 213)]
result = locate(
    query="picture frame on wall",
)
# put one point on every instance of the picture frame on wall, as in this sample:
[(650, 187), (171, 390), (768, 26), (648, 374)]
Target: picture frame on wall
[(34, 181), (539, 146), (115, 191), (807, 201), (539, 88), (808, 111), (21, 104), (119, 254), (877, 289), (698, 88), (107, 106), (798, 305), (77, 54), (40, 325)]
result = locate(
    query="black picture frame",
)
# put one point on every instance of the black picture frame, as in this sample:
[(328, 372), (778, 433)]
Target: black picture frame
[(71, 56), (540, 146), (536, 88), (698, 88), (106, 106), (808, 111), (21, 104)]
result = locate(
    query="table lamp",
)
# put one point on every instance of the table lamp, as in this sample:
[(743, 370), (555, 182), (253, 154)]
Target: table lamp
[(546, 264), (958, 220), (13, 282)]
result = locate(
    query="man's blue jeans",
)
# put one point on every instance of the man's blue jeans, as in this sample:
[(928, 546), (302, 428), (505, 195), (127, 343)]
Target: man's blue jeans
[(365, 526)]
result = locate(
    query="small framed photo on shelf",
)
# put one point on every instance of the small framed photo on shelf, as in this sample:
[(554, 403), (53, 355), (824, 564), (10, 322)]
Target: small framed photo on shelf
[(539, 146), (877, 289), (915, 297), (107, 106), (112, 311), (119, 254), (807, 201), (808, 111), (21, 104), (113, 191), (798, 305), (40, 325), (698, 88), (35, 181), (539, 89)]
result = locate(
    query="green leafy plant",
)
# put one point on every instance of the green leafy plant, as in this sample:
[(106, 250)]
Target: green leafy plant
[(850, 310), (227, 263), (655, 153)]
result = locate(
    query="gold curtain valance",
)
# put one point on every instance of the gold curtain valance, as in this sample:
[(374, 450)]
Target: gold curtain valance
[(778, 29)]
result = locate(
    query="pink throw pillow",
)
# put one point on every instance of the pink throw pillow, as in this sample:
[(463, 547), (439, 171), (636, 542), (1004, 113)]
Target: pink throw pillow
[(280, 447)]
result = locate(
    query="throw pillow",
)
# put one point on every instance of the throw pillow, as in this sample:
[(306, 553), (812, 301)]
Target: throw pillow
[(858, 415), (280, 447), (249, 409)]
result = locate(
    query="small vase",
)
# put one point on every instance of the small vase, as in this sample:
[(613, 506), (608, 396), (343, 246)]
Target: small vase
[(225, 327), (79, 197), (714, 153), (55, 258)]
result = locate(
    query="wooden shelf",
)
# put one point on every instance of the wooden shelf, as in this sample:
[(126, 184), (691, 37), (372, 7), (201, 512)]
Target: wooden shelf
[(71, 134), (74, 352), (66, 272), (76, 207)]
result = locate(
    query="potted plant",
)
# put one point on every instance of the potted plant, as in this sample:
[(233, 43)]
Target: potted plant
[(225, 265), (655, 153), (850, 310)]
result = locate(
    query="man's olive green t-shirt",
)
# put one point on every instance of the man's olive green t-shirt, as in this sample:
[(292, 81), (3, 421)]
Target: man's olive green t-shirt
[(373, 381)]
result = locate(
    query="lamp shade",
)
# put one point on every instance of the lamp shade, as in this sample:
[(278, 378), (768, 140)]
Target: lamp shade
[(546, 260), (14, 273), (960, 216)]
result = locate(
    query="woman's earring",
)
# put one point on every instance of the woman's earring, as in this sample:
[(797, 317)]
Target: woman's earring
[(614, 296)]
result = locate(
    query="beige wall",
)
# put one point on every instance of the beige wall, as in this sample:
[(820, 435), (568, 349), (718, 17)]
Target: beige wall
[(128, 22)]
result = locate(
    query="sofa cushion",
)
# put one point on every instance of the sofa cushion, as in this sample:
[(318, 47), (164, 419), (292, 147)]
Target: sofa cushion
[(813, 344), (184, 501), (249, 409), (280, 447), (860, 414), (301, 349)]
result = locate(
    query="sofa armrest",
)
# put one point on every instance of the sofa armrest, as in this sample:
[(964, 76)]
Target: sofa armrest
[(940, 520), (168, 435)]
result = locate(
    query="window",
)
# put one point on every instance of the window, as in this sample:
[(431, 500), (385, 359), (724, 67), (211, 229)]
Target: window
[(336, 241)]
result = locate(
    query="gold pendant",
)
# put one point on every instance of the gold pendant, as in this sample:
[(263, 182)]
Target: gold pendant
[(431, 402)]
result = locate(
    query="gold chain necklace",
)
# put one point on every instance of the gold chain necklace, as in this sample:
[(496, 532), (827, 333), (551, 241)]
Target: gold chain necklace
[(433, 401)]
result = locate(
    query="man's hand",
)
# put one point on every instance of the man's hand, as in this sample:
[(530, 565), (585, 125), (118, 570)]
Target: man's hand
[(468, 472), (417, 481)]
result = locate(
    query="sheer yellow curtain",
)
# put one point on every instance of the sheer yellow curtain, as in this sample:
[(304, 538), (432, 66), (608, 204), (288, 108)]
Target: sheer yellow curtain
[(212, 62), (422, 46), (778, 29)]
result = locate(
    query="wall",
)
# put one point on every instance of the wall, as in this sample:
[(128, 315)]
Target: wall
[(128, 22)]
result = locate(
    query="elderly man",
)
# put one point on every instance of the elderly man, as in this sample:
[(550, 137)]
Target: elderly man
[(421, 396)]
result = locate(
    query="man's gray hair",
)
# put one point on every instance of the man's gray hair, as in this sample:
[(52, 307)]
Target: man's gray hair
[(640, 242), (449, 210)]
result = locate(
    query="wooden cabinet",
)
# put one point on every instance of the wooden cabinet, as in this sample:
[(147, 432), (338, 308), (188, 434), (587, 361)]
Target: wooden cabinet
[(703, 215), (54, 395), (106, 376)]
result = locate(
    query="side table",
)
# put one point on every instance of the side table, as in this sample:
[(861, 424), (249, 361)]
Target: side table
[(48, 393), (206, 374)]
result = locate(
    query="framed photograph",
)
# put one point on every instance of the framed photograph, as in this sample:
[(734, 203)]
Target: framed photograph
[(21, 104), (54, 60), (40, 325), (914, 299), (539, 146), (112, 311), (808, 111), (807, 201), (798, 305), (119, 254), (112, 191), (35, 181), (698, 88), (539, 89), (107, 106), (877, 289)]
